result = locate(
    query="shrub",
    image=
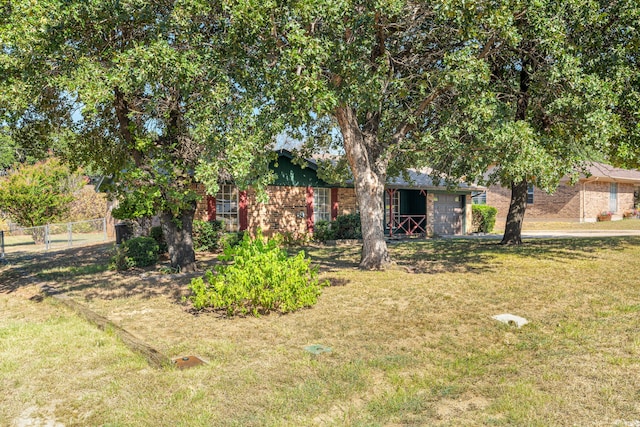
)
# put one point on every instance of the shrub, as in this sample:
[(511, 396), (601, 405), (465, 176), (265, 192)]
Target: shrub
[(261, 278), (136, 252), (484, 218), (231, 239), (347, 227), (322, 231), (156, 234), (343, 227), (207, 235)]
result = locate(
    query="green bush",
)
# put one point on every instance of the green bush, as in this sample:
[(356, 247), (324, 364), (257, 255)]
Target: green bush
[(322, 231), (347, 227), (260, 278), (136, 252), (343, 227), (156, 234), (484, 218), (207, 235)]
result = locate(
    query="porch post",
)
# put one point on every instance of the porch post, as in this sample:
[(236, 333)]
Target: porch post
[(391, 192)]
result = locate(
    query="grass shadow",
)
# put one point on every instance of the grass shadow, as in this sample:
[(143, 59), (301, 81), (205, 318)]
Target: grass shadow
[(26, 268), (479, 256)]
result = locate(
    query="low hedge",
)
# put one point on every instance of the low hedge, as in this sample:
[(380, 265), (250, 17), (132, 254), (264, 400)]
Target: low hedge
[(484, 218)]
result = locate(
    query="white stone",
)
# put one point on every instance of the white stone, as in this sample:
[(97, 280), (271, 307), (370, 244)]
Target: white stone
[(511, 319)]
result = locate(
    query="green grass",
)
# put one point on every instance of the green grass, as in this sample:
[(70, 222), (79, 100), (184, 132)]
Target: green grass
[(413, 345), (625, 224)]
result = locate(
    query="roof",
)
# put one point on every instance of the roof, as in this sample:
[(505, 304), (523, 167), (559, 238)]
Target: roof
[(421, 179), (418, 179), (604, 172)]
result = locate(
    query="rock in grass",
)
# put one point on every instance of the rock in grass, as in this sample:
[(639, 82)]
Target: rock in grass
[(511, 319)]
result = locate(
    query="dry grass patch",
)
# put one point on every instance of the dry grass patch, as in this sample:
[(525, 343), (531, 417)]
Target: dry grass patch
[(414, 345)]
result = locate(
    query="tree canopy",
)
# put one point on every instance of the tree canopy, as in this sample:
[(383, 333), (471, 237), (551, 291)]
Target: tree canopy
[(38, 194), (547, 112), (388, 75), (148, 92)]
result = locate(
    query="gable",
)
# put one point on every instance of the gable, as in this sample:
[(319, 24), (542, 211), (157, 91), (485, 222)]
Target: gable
[(290, 174)]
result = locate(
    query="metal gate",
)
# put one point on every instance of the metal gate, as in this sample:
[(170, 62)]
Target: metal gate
[(447, 214)]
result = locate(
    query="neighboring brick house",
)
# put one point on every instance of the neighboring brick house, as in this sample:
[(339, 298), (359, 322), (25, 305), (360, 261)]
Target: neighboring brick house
[(297, 199), (607, 189)]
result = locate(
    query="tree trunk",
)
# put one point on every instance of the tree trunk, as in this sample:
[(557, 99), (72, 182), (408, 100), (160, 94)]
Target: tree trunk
[(179, 237), (515, 217), (370, 173), (518, 204)]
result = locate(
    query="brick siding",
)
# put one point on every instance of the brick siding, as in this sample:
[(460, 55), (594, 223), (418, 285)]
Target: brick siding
[(581, 202)]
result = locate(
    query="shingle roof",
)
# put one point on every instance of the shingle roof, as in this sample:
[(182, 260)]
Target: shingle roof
[(422, 180), (601, 171)]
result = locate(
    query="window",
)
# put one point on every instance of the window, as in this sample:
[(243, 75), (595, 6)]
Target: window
[(479, 198), (227, 206), (321, 204), (530, 194), (613, 197)]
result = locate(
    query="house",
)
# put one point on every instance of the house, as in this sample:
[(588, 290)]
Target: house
[(298, 198), (605, 189)]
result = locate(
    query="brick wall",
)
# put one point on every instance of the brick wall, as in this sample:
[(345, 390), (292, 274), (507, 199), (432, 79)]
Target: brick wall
[(347, 201), (568, 203), (285, 211), (201, 206), (596, 199)]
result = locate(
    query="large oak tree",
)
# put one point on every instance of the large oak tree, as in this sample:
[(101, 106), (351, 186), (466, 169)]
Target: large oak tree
[(147, 91), (386, 74)]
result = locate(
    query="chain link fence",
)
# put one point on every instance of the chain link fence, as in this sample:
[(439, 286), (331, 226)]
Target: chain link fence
[(52, 236)]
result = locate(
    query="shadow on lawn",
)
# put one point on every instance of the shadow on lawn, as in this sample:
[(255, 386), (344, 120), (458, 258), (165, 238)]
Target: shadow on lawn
[(478, 256), (84, 269), (26, 268)]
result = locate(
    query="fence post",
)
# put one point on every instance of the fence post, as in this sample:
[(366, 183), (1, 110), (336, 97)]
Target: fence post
[(46, 237), (70, 233), (1, 244), (104, 228)]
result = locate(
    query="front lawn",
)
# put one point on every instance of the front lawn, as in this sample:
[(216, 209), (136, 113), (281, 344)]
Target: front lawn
[(414, 345)]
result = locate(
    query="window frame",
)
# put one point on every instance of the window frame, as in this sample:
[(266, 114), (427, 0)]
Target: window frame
[(230, 217), (321, 204)]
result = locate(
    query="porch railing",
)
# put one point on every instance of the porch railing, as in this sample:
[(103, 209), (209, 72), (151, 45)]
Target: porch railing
[(407, 224)]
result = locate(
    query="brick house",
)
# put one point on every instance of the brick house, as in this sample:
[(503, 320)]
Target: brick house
[(607, 189), (298, 198)]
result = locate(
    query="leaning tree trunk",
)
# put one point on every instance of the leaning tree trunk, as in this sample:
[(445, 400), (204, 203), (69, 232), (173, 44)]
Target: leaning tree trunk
[(369, 172), (518, 204), (515, 217), (178, 233)]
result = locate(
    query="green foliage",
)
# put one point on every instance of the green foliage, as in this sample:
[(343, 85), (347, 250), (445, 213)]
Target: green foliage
[(260, 278), (322, 231), (136, 252), (166, 97), (156, 234), (484, 218), (347, 227), (34, 195), (343, 227), (207, 235)]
